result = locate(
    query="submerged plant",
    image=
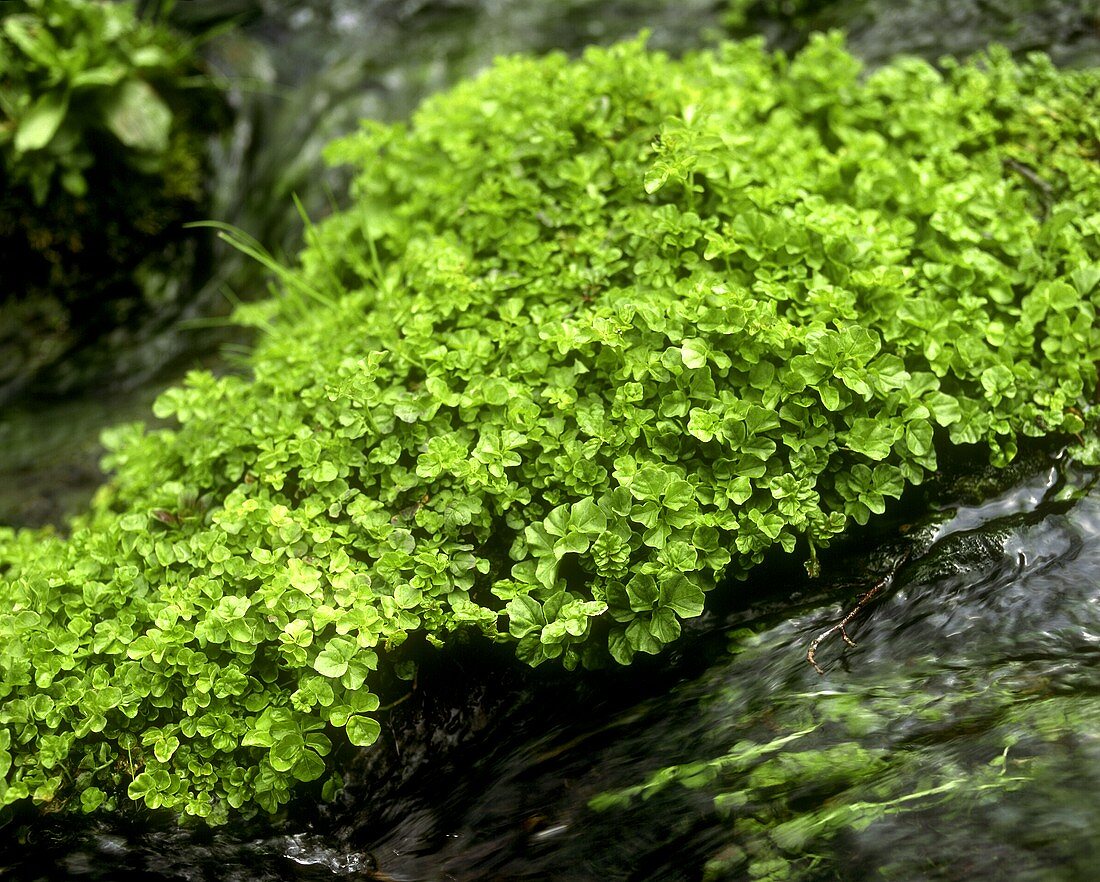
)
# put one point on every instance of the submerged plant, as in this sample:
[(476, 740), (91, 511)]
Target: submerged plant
[(591, 336), (802, 773)]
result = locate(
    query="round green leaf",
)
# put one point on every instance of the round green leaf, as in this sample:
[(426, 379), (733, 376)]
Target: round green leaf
[(362, 731), (138, 117)]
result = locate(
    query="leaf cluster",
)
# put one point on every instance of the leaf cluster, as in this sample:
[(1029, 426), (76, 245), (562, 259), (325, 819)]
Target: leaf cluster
[(72, 71), (104, 121), (591, 337)]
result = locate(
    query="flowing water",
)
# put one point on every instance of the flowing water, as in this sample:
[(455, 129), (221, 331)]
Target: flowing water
[(959, 738)]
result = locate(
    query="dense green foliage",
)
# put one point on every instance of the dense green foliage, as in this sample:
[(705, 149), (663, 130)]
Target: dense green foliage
[(591, 336), (102, 157), (71, 69)]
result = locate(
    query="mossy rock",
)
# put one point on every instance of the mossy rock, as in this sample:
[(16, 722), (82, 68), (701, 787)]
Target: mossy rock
[(591, 338), (880, 29)]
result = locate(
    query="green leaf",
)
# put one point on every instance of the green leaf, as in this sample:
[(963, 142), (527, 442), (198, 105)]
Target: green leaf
[(999, 380), (1086, 278), (91, 799), (640, 639), (286, 752), (918, 438), (165, 747), (35, 41), (654, 179), (525, 616), (588, 518), (74, 182), (408, 596), (694, 352), (137, 116), (682, 596), (106, 75), (309, 767), (572, 543), (643, 592), (333, 660), (38, 126), (945, 408), (362, 731), (326, 472), (664, 625), (872, 438), (554, 632), (649, 482), (619, 646)]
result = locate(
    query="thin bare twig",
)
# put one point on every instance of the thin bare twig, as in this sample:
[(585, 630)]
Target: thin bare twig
[(841, 626), (1044, 187)]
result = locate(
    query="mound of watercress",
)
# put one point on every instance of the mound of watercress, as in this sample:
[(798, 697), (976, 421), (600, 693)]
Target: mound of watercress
[(590, 337)]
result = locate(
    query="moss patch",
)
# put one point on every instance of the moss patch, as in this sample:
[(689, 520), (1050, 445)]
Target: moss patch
[(591, 337)]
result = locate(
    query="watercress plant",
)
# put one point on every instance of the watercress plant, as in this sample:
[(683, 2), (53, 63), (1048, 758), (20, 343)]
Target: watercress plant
[(71, 69), (590, 337), (103, 125)]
